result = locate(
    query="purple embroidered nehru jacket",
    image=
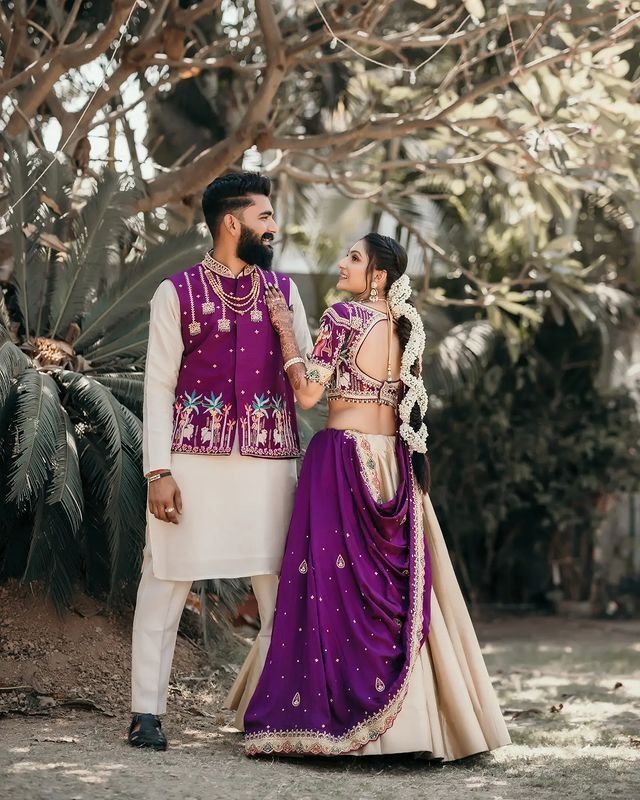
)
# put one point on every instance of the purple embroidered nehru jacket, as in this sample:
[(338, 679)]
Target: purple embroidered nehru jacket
[(231, 380)]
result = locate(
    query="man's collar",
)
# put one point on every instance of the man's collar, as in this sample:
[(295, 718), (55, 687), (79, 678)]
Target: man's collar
[(209, 262)]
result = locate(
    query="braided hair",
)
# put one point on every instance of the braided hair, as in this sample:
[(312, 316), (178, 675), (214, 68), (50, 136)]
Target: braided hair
[(389, 256)]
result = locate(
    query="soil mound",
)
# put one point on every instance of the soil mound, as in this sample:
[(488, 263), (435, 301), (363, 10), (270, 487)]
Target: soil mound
[(80, 660)]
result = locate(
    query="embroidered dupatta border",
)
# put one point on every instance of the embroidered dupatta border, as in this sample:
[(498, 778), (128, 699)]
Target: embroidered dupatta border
[(311, 742)]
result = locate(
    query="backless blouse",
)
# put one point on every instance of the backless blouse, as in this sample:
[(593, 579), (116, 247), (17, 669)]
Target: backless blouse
[(332, 362)]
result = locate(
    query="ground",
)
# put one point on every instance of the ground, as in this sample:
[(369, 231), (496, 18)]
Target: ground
[(570, 690)]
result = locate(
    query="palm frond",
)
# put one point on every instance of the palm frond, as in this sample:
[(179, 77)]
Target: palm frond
[(112, 536), (54, 555), (612, 305), (5, 317), (32, 220), (566, 299), (127, 329), (35, 436), (65, 488), (42, 268), (49, 226), (124, 352), (94, 542), (126, 387), (13, 362), (17, 167), (55, 184), (421, 213), (110, 456), (458, 361), (131, 293), (93, 252)]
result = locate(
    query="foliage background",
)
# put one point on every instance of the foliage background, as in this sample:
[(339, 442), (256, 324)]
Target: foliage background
[(507, 165)]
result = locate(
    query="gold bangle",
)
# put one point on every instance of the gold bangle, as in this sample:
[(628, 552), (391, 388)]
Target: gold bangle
[(292, 361)]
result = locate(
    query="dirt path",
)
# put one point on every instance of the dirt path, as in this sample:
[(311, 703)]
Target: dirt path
[(588, 746)]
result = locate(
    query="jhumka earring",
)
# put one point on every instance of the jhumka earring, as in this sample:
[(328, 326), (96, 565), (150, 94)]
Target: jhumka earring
[(373, 296)]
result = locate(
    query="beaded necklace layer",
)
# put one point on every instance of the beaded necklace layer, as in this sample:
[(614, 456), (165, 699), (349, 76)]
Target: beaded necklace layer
[(194, 326), (238, 304)]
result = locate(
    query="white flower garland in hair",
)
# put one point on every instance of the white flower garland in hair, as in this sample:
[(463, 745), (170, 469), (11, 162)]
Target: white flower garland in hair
[(399, 294)]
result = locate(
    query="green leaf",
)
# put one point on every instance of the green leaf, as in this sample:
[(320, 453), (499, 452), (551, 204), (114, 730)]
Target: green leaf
[(36, 433), (458, 362), (129, 296), (519, 309), (93, 252), (54, 554), (111, 463), (126, 387), (13, 362)]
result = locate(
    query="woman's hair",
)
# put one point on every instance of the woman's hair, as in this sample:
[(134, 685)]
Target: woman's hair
[(388, 255)]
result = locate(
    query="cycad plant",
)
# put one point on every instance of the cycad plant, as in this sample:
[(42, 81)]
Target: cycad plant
[(73, 331)]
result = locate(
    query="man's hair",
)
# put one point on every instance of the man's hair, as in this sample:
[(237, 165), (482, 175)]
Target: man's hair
[(230, 192)]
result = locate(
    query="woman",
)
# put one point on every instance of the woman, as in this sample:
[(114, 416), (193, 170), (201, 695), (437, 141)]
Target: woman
[(372, 650)]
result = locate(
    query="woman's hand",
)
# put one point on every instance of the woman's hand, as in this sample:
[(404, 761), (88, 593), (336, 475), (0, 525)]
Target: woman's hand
[(279, 312), (165, 500)]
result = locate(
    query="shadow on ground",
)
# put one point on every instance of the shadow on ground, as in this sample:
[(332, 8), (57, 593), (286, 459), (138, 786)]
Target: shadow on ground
[(570, 691)]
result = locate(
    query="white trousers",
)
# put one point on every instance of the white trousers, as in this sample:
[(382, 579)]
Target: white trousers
[(159, 607)]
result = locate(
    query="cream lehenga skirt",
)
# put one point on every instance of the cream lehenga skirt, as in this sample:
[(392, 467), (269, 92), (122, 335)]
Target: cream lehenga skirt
[(450, 710)]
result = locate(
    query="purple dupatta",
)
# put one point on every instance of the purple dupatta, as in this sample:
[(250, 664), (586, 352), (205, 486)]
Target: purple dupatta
[(352, 610)]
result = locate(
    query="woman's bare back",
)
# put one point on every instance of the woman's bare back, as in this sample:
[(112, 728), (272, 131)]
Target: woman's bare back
[(375, 352)]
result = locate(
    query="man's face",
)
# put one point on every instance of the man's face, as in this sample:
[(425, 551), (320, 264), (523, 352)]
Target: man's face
[(257, 232)]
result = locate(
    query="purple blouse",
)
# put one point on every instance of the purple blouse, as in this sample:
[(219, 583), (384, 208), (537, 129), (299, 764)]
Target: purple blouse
[(333, 360)]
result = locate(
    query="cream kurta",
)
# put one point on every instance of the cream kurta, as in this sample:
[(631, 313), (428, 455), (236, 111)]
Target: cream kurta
[(236, 509)]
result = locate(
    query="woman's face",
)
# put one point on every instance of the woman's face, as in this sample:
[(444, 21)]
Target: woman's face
[(353, 270)]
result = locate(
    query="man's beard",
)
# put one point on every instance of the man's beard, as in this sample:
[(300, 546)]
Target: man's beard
[(253, 250)]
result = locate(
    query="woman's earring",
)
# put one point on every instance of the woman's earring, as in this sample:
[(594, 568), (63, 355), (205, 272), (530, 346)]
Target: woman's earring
[(373, 296)]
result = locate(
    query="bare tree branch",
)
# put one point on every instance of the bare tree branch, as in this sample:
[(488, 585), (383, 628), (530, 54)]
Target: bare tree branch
[(70, 21), (185, 17), (260, 72), (64, 60), (192, 177), (19, 28), (402, 126)]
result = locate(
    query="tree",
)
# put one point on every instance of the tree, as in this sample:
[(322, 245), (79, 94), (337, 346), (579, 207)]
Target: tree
[(73, 324), (523, 462), (519, 93), (499, 147)]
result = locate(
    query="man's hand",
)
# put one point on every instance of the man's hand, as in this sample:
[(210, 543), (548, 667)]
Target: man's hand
[(165, 500)]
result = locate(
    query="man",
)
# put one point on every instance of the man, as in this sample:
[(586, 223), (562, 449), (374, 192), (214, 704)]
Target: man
[(220, 437)]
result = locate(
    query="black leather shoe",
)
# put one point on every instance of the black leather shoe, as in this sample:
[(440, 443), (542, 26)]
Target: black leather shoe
[(146, 731)]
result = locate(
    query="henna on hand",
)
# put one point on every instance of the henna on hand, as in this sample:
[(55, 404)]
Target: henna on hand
[(297, 374), (279, 312), (282, 320), (289, 346)]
